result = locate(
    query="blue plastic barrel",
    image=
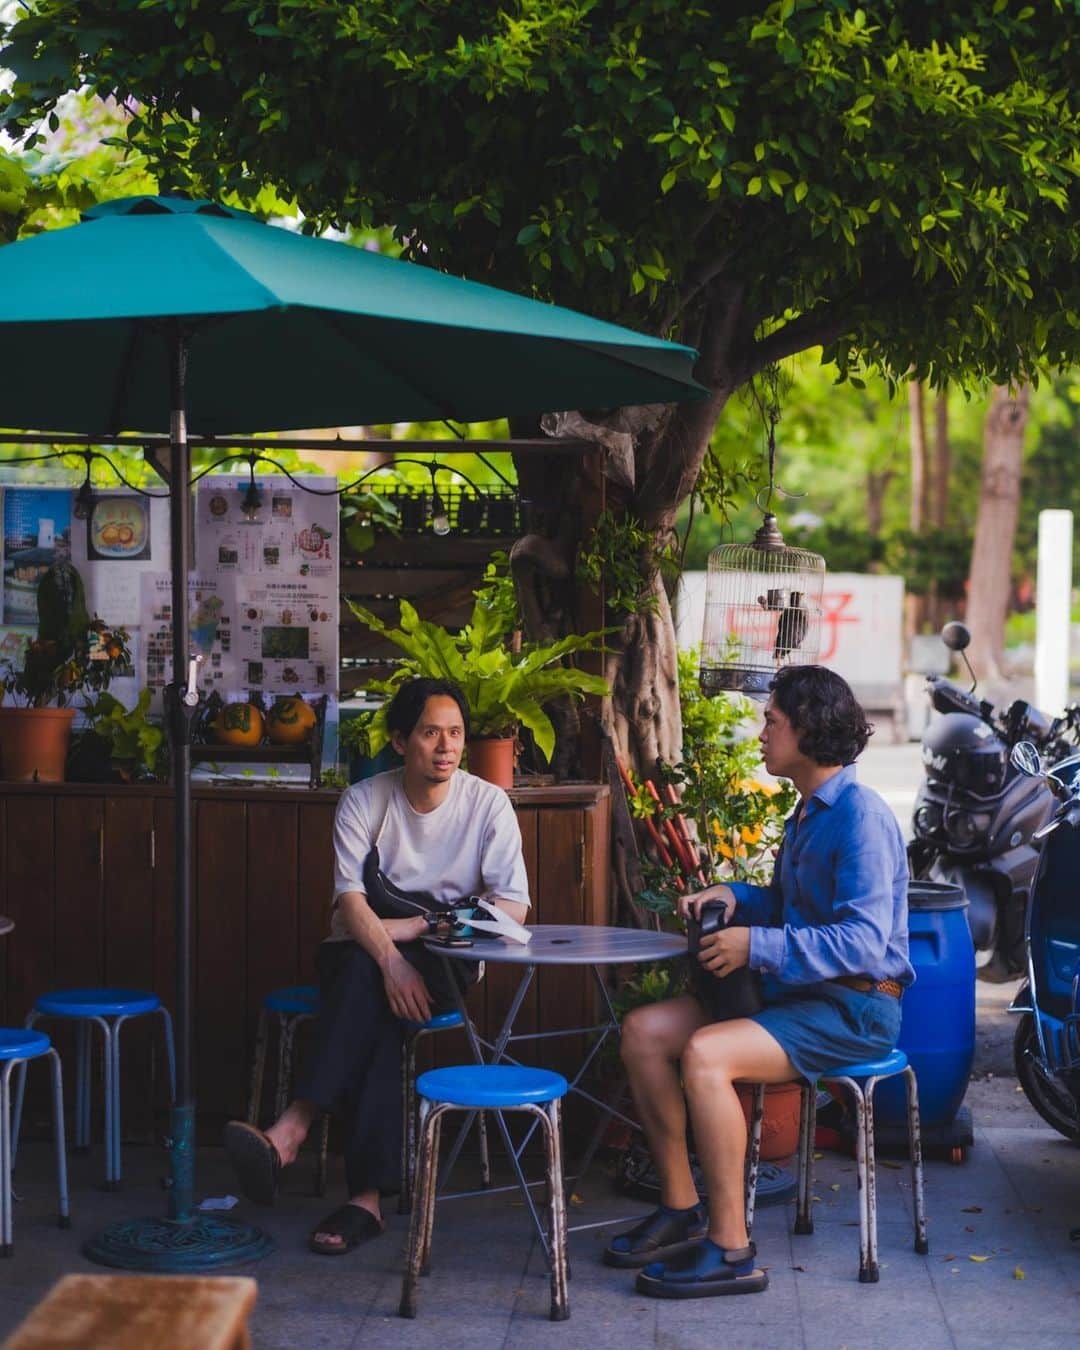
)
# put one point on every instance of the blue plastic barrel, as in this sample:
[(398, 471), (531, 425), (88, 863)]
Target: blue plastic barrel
[(938, 1028)]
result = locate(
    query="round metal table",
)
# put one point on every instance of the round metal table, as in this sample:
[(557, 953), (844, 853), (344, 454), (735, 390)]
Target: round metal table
[(553, 945)]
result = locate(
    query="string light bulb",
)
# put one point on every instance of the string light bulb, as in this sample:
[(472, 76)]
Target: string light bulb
[(84, 498), (251, 503)]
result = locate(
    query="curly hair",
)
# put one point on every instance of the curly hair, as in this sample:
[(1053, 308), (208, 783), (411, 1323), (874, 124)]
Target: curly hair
[(404, 709), (831, 725)]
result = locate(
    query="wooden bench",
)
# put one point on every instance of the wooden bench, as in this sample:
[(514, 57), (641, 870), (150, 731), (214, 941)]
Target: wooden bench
[(133, 1312)]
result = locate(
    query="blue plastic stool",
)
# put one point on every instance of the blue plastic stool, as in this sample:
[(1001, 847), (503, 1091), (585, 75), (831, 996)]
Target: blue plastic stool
[(290, 1007), (108, 1008), (860, 1080), (500, 1088), (414, 1031), (17, 1048)]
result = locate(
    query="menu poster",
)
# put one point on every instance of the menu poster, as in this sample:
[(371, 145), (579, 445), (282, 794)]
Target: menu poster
[(126, 535), (211, 609), (37, 532), (284, 532), (286, 635)]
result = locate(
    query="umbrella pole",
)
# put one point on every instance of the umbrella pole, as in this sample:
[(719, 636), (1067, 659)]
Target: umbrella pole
[(187, 1241), (182, 703)]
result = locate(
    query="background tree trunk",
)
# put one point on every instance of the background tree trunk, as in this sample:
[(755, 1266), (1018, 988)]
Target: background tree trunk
[(942, 461), (990, 576), (915, 606)]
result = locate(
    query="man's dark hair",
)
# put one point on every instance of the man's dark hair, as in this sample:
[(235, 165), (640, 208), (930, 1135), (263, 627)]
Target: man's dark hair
[(407, 704), (830, 723)]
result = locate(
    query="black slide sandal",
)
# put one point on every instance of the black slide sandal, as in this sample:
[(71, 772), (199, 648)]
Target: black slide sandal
[(349, 1222), (254, 1159), (658, 1237)]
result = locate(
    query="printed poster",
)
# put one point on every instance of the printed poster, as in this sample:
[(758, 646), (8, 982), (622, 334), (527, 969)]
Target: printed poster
[(126, 535), (37, 532), (286, 635), (211, 610), (283, 532)]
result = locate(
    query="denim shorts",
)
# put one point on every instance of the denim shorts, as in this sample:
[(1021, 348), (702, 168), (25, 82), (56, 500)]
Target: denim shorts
[(825, 1025)]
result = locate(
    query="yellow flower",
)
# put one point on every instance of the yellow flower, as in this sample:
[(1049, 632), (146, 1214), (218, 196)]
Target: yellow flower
[(751, 834), (725, 850)]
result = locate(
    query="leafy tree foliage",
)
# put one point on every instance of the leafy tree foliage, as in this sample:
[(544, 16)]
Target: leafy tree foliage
[(894, 181)]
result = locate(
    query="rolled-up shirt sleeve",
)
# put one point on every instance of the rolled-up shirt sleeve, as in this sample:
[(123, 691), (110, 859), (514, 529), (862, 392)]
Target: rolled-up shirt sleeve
[(352, 843), (857, 937), (757, 904)]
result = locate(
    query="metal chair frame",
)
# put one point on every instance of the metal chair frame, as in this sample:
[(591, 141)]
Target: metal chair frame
[(110, 1025), (548, 1116), (9, 1141), (861, 1091), (410, 1123)]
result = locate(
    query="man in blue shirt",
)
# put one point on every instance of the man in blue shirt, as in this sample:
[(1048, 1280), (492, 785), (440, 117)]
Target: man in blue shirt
[(829, 936)]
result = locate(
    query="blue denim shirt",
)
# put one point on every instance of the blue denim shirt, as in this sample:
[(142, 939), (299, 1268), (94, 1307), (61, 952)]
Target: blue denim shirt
[(837, 902)]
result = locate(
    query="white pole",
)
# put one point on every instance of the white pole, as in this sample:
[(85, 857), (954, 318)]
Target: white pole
[(1053, 610)]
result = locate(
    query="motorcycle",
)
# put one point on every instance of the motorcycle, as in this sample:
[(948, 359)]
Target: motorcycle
[(975, 813), (1046, 1047)]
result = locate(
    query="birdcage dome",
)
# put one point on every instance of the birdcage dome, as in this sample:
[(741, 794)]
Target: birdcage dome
[(762, 611)]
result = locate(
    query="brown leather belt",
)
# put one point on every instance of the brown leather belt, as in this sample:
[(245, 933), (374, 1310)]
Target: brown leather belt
[(863, 986)]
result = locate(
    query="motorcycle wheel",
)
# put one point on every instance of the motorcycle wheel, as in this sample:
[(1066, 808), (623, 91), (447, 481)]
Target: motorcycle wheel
[(1025, 1047)]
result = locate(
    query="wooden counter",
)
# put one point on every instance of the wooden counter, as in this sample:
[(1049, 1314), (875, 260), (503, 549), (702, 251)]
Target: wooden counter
[(86, 874)]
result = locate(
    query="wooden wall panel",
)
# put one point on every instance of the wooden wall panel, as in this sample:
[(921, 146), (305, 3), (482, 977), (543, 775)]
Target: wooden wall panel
[(30, 898), (79, 907), (273, 960), (220, 870)]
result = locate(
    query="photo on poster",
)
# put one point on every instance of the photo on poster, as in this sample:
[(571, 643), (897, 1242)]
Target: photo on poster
[(119, 529), (37, 533)]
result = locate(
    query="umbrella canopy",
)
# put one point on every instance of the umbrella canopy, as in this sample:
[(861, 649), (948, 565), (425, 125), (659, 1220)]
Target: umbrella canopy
[(287, 332)]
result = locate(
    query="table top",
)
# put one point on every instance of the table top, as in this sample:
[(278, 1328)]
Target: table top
[(6, 924), (571, 945)]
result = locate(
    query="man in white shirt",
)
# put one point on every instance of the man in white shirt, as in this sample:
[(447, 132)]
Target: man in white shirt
[(438, 830)]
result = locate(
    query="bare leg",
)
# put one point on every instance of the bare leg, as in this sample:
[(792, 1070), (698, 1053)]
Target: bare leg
[(716, 1058), (653, 1041), (288, 1133)]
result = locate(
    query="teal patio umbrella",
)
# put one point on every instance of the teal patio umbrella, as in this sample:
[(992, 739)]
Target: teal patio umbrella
[(157, 312)]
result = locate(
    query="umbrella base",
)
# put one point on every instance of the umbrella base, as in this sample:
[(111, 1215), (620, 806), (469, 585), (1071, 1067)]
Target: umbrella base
[(206, 1242)]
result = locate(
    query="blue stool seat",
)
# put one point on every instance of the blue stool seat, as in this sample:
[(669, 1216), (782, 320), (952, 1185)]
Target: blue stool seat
[(22, 1044), (301, 998), (440, 1022), (493, 1085), (103, 1002), (893, 1063), (108, 1007)]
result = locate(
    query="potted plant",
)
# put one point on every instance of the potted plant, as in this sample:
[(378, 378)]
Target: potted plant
[(504, 688), (71, 655), (119, 743)]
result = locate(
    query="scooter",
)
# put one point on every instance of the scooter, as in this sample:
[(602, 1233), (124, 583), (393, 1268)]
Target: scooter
[(1046, 1047), (975, 813)]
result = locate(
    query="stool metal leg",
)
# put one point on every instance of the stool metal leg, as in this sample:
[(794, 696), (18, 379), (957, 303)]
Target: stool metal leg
[(753, 1153), (320, 1166), (485, 1159), (286, 1030), (425, 1182), (6, 1246), (804, 1212), (170, 1051), (64, 1211), (115, 1133), (408, 1122), (82, 1088), (20, 1089), (922, 1246), (873, 1272), (552, 1119), (258, 1069), (429, 1203)]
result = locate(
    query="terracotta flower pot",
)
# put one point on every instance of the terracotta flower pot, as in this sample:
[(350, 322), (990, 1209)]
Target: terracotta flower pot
[(492, 758), (34, 744), (780, 1124)]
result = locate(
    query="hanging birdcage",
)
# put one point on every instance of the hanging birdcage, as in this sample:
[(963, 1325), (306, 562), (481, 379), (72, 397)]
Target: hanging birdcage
[(762, 611)]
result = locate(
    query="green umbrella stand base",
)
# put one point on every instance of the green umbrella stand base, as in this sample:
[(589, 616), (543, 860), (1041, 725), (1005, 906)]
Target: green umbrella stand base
[(204, 1243)]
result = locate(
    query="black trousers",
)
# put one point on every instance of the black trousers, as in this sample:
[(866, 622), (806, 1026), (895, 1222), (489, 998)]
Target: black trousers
[(355, 1064)]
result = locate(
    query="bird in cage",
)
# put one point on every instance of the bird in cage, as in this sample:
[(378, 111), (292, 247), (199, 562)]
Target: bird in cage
[(793, 622)]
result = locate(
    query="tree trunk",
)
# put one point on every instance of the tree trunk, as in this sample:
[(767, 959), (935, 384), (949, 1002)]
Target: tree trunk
[(942, 461), (919, 478), (995, 530), (877, 483)]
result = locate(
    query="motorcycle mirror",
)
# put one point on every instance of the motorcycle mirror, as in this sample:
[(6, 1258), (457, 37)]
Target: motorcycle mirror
[(956, 636), (1026, 758)]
